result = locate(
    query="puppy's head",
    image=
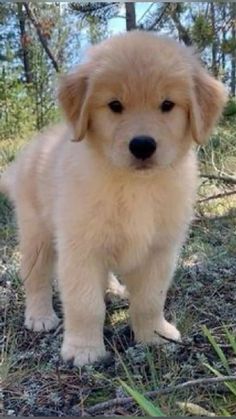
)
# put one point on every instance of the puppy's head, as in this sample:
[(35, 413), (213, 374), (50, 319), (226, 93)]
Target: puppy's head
[(141, 100)]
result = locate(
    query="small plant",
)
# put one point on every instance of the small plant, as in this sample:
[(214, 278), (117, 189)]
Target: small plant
[(225, 367), (230, 109)]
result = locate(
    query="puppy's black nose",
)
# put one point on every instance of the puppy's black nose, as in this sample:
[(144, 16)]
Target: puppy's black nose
[(142, 147)]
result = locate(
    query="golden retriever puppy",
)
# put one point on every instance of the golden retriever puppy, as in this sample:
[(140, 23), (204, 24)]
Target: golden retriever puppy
[(113, 189)]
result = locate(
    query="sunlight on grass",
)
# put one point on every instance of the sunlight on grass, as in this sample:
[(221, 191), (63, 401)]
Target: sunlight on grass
[(9, 150), (118, 317)]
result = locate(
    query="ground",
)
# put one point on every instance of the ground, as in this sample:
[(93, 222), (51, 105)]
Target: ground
[(35, 382)]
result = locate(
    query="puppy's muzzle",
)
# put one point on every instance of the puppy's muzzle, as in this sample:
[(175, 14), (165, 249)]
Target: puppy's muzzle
[(142, 147)]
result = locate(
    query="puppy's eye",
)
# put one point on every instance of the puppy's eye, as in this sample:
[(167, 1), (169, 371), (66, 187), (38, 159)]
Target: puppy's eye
[(116, 106), (167, 106)]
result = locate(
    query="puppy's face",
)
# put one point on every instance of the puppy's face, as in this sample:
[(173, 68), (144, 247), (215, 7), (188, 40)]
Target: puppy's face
[(139, 121), (141, 101)]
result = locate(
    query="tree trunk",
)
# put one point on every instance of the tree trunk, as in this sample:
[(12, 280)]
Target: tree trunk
[(182, 31), (214, 43), (233, 56), (130, 16), (41, 37), (223, 35), (25, 52)]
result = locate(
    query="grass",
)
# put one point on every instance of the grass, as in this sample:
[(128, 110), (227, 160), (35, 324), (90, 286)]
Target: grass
[(202, 299), (224, 364), (143, 402)]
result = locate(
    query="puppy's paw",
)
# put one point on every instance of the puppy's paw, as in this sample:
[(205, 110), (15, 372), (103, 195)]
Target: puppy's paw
[(116, 288), (41, 323), (83, 355), (167, 332), (161, 333)]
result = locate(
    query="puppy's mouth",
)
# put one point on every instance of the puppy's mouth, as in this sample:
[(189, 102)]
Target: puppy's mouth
[(139, 164), (143, 165)]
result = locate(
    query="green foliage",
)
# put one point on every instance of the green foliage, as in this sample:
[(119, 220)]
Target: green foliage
[(219, 154), (26, 106), (96, 30), (27, 78), (230, 108), (143, 402), (228, 46), (202, 32), (16, 113)]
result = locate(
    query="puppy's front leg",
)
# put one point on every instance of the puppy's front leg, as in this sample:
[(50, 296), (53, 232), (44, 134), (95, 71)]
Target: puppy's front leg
[(148, 287), (82, 283)]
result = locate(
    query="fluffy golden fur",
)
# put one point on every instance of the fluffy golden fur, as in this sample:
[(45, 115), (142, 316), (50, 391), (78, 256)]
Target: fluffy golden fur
[(98, 206)]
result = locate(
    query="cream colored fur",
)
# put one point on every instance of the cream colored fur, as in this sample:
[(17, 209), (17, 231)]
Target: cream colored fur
[(99, 209)]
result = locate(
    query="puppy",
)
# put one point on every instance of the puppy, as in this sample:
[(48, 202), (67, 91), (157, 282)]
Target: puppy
[(113, 189)]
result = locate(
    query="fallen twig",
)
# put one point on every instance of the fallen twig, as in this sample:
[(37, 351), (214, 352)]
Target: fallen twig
[(226, 179), (122, 401), (177, 342), (231, 215), (217, 196)]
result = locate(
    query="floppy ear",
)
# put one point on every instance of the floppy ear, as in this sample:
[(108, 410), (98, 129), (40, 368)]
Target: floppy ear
[(73, 97), (208, 100)]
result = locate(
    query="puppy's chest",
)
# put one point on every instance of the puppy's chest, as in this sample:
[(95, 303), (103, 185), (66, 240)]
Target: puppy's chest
[(130, 229), (128, 221)]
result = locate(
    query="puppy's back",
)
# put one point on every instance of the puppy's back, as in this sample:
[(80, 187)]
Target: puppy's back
[(34, 165)]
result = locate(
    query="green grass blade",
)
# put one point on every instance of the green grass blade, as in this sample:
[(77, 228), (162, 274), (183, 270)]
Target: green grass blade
[(145, 404), (217, 349), (225, 412), (231, 339), (150, 361), (127, 372), (231, 387)]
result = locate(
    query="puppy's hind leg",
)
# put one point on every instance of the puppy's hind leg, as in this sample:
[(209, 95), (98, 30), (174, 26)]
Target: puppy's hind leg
[(36, 273), (114, 287)]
